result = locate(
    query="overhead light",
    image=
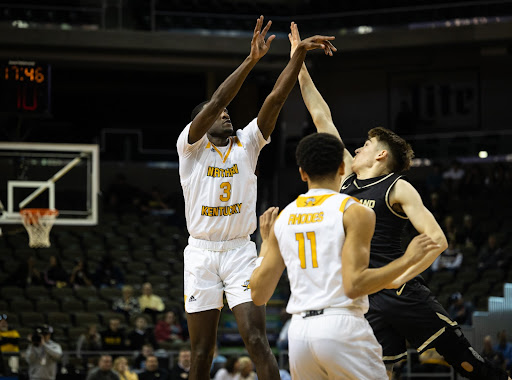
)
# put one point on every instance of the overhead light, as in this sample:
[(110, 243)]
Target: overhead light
[(364, 29), (483, 154)]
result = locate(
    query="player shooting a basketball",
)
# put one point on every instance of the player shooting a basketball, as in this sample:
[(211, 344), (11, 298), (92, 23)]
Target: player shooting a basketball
[(219, 187)]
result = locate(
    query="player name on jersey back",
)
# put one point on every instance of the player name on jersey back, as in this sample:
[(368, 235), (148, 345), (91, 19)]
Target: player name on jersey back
[(308, 218)]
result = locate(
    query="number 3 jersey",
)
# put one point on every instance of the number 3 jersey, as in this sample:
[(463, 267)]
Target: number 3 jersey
[(311, 235), (219, 184)]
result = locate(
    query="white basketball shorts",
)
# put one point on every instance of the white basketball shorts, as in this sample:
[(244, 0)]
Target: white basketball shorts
[(334, 346), (210, 273)]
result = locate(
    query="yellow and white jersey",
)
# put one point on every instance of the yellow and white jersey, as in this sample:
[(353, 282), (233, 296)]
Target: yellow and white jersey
[(310, 234), (219, 184)]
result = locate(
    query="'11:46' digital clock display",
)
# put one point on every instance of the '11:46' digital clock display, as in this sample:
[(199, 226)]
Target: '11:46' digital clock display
[(24, 87)]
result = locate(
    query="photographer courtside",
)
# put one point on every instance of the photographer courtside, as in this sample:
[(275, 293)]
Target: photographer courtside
[(43, 354)]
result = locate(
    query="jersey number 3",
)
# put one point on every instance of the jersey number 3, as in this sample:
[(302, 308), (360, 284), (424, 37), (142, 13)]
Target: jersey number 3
[(302, 248), (226, 195)]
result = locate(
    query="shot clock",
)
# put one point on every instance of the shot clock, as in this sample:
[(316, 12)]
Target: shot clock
[(25, 87)]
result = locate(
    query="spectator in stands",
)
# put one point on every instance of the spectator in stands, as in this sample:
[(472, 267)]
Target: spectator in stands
[(469, 236), (140, 361), (107, 274), (113, 338), (104, 370), (491, 255), (449, 228), (505, 348), (90, 340), (80, 276), (459, 310), (182, 367), (55, 275), (141, 334), (436, 207), (153, 372), (497, 179), (122, 369), (150, 303), (9, 342), (246, 368), (127, 304), (121, 196), (434, 179), (472, 182), (168, 329), (453, 177), (218, 362), (229, 371), (155, 201), (489, 353), (449, 260), (27, 274)]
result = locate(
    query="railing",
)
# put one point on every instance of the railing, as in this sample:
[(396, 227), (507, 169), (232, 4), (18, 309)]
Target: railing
[(112, 14), (24, 15)]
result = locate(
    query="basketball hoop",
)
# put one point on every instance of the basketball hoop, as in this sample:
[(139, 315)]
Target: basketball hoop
[(38, 222)]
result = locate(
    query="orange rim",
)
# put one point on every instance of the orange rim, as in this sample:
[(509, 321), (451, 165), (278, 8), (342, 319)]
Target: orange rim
[(37, 212)]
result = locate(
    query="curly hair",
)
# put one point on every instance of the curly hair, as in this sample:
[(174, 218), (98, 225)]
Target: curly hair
[(320, 154), (401, 153)]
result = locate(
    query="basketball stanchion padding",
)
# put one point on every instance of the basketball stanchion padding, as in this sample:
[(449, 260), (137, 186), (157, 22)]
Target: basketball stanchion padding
[(38, 222)]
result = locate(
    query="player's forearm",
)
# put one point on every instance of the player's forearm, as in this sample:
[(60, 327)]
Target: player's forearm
[(315, 103), (261, 289), (437, 235), (286, 81), (220, 100), (372, 280), (415, 269), (232, 84), (267, 117)]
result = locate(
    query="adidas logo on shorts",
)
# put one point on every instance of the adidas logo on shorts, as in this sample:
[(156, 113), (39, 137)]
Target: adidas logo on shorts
[(192, 299)]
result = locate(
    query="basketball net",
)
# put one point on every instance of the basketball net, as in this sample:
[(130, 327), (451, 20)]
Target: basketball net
[(38, 222)]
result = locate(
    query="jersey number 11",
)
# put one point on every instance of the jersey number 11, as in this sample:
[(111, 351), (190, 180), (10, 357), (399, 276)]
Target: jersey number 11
[(302, 248)]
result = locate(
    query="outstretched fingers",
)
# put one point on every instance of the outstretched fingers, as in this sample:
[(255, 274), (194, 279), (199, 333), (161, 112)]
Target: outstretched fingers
[(320, 42), (257, 28), (266, 28)]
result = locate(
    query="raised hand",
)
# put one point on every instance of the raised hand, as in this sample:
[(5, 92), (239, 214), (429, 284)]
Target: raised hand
[(294, 38), (259, 47), (267, 220), (311, 43)]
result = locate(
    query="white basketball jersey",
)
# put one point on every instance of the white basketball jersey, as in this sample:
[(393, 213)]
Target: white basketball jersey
[(219, 184), (310, 233)]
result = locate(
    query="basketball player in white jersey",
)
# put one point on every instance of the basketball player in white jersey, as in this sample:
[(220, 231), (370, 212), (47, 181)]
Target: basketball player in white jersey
[(219, 187), (323, 240)]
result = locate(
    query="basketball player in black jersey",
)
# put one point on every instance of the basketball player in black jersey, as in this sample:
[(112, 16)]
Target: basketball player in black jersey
[(406, 310)]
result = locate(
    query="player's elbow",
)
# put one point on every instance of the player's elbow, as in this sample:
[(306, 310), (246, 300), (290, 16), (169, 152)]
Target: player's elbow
[(352, 290), (354, 293), (443, 243), (257, 297)]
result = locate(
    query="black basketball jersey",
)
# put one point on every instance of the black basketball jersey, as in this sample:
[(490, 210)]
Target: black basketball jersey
[(374, 193)]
